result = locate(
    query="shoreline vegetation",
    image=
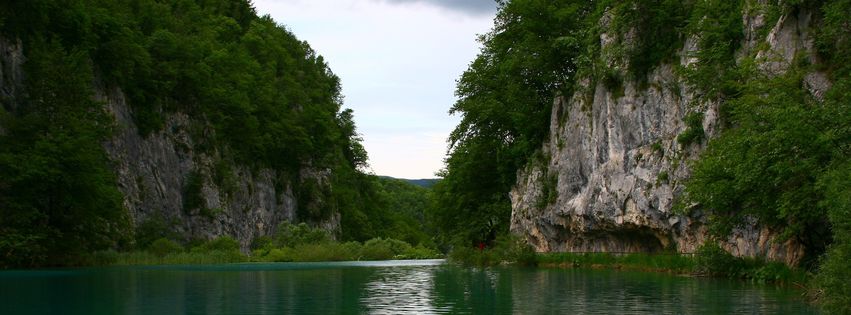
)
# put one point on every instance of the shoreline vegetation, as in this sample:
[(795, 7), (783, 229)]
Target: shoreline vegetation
[(299, 243), (291, 243), (709, 260)]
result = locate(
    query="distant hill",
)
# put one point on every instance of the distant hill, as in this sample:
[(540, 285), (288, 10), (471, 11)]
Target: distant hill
[(423, 182)]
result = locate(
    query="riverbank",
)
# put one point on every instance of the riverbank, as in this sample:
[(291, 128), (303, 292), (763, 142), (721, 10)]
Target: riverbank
[(226, 250), (290, 243), (710, 260)]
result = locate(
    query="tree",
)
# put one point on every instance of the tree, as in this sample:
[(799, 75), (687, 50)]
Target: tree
[(505, 99)]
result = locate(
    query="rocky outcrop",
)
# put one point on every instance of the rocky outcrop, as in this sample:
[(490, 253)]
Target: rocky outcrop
[(613, 169), (11, 72), (158, 174)]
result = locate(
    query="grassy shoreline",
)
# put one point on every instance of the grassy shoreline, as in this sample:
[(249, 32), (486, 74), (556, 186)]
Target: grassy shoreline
[(662, 263), (709, 261)]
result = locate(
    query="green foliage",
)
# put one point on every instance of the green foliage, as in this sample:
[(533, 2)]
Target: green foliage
[(694, 129), (289, 235), (613, 81), (383, 207), (58, 198), (192, 197), (537, 50), (258, 96), (657, 147), (832, 281), (505, 98), (549, 190), (767, 164), (224, 177), (661, 262), (381, 249), (179, 258), (164, 246), (406, 206), (222, 243), (507, 250), (152, 229), (662, 177), (833, 40), (302, 243), (658, 26), (719, 30), (711, 259)]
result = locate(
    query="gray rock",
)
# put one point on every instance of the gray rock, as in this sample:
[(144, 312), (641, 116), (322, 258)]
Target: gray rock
[(619, 169), (11, 72), (152, 172)]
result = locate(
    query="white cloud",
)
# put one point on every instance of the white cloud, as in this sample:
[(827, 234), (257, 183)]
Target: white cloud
[(483, 7), (398, 64)]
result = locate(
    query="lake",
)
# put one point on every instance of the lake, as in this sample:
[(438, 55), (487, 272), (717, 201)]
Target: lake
[(383, 287)]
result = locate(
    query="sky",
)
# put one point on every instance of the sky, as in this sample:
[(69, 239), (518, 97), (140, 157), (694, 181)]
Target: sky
[(398, 61)]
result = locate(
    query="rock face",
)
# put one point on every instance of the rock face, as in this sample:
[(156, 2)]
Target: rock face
[(613, 169), (157, 174), (154, 173), (11, 72)]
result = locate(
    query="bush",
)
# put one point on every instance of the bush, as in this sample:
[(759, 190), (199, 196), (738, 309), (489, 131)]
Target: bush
[(289, 235), (714, 260), (262, 242), (278, 255), (419, 252), (381, 249), (103, 258), (164, 246), (694, 132), (222, 243), (152, 229), (508, 250), (21, 249)]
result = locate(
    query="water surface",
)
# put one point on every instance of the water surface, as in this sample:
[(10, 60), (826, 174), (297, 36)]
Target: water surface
[(386, 287)]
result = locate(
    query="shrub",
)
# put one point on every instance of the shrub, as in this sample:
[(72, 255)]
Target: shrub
[(289, 235), (152, 229), (262, 242), (714, 260), (164, 246), (103, 258), (192, 195), (694, 129), (222, 243), (508, 250), (378, 249), (419, 252)]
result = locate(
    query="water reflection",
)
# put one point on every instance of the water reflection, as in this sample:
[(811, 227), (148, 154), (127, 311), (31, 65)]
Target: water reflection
[(379, 288), (399, 290)]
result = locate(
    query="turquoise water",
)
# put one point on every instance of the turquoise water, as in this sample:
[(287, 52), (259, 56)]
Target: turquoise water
[(387, 287)]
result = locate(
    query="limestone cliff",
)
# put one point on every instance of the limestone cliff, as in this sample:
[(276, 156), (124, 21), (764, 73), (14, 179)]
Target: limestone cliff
[(154, 173), (612, 169), (165, 176)]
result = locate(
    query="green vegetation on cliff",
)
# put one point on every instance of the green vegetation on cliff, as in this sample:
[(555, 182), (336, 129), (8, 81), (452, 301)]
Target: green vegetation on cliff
[(257, 95), (782, 153), (504, 103)]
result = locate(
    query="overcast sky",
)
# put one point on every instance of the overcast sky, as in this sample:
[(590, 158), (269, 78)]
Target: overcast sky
[(398, 61)]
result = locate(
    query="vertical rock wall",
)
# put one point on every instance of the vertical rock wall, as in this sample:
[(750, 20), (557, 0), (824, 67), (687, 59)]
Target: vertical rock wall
[(612, 169), (153, 172)]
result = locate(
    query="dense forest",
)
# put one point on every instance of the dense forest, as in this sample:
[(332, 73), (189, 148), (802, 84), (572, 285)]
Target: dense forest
[(270, 100), (782, 156)]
